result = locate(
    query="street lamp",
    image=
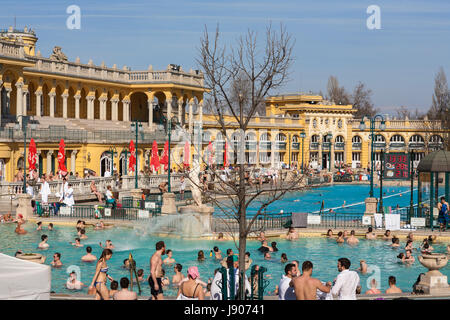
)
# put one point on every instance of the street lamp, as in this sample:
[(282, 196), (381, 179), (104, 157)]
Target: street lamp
[(23, 125), (169, 121), (362, 127), (303, 136), (125, 170), (112, 150), (329, 137), (136, 126)]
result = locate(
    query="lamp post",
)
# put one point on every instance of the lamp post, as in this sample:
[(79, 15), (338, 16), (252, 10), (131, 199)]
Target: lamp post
[(303, 136), (23, 126), (112, 150), (136, 126), (381, 210), (362, 127), (169, 133), (329, 137), (126, 161)]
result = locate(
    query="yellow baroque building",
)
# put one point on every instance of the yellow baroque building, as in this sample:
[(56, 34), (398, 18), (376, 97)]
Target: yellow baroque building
[(93, 108)]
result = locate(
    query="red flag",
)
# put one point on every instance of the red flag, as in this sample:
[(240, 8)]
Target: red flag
[(186, 158), (132, 162), (32, 155), (154, 163), (225, 156), (62, 158), (210, 154), (165, 156)]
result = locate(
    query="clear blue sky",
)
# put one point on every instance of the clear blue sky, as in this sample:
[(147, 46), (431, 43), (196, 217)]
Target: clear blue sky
[(397, 62)]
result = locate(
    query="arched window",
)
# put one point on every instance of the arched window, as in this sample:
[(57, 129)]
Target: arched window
[(436, 139), (315, 138), (20, 163), (379, 138), (417, 138), (281, 137), (340, 139), (356, 139), (397, 138), (264, 137), (206, 136), (315, 123), (295, 138), (106, 164), (339, 123), (251, 136)]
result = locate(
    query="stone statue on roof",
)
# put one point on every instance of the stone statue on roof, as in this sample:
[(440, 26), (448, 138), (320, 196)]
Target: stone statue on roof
[(58, 55)]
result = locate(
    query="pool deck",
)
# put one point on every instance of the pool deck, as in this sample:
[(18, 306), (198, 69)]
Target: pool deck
[(275, 234)]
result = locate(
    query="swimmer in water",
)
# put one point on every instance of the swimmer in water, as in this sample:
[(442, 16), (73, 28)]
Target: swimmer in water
[(340, 238), (296, 200), (43, 244), (362, 267), (77, 243)]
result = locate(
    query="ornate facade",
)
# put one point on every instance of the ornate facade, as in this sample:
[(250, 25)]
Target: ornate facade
[(93, 107)]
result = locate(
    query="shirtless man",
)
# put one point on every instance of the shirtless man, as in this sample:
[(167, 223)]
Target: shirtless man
[(56, 260), (305, 286), (370, 235), (156, 275), (392, 287), (89, 257), (352, 240), (124, 293)]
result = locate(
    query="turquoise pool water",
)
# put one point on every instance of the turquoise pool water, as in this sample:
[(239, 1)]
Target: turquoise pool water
[(322, 252), (310, 200)]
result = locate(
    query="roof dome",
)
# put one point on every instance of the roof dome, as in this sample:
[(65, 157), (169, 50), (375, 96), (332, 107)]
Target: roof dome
[(438, 161)]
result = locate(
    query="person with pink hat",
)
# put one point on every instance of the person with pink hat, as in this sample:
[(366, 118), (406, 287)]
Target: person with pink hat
[(189, 289)]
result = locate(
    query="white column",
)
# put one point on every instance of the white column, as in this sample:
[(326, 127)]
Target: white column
[(169, 108), (24, 102), (38, 103), (114, 109), (126, 110), (191, 115), (103, 108), (90, 107), (150, 114), (200, 112), (180, 111), (272, 151), (49, 161), (77, 106), (1, 101), (65, 96), (19, 98), (52, 104), (72, 160)]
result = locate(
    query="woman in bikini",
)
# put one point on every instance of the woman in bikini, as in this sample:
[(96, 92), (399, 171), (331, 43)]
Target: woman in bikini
[(101, 273), (190, 289)]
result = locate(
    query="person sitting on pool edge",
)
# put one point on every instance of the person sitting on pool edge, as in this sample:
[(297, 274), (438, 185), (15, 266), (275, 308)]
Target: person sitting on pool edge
[(89, 257), (392, 286), (352, 240), (370, 235)]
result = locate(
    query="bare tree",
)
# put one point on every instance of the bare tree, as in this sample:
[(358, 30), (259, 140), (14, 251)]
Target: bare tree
[(362, 101), (239, 79), (403, 113), (440, 107), (336, 93)]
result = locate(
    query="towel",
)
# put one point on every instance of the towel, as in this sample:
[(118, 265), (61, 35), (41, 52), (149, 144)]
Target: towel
[(378, 217), (299, 219)]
